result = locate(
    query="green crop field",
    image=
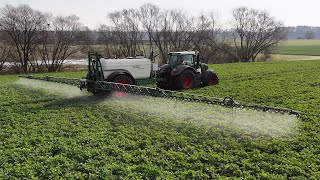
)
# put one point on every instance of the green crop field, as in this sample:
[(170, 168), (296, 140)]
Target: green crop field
[(53, 131), (299, 47)]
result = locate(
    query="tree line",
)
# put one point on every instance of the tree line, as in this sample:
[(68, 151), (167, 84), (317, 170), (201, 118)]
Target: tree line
[(31, 40)]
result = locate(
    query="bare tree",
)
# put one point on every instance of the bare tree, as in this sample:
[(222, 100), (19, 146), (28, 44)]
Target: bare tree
[(5, 52), (157, 23), (183, 31), (85, 38), (210, 40), (127, 36), (161, 34), (106, 37), (21, 24), (149, 18), (309, 35), (253, 32), (58, 41), (159, 28), (176, 30)]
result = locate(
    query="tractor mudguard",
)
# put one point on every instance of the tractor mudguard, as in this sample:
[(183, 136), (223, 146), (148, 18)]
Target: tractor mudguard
[(205, 75), (209, 78), (163, 68), (179, 69), (116, 73)]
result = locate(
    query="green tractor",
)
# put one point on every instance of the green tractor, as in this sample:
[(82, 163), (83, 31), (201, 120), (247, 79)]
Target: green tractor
[(185, 71)]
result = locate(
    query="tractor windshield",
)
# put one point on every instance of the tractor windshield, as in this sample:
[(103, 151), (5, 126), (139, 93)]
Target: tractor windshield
[(177, 59)]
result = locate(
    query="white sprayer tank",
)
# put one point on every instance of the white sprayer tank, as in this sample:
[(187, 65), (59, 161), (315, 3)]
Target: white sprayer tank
[(139, 68)]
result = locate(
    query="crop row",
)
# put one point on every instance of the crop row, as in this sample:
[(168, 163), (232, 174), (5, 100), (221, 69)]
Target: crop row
[(50, 131)]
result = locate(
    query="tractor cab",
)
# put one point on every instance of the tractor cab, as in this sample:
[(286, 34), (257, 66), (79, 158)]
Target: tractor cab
[(184, 71), (182, 58)]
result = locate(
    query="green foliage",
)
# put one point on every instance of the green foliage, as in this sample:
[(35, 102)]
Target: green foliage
[(49, 136), (299, 47), (311, 50)]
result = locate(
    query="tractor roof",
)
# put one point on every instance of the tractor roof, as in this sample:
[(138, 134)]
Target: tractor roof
[(184, 52)]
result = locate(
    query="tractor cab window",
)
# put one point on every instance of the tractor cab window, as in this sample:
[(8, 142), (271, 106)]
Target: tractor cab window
[(173, 59), (187, 59), (176, 59)]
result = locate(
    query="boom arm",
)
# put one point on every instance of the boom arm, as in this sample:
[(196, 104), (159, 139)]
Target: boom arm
[(157, 92)]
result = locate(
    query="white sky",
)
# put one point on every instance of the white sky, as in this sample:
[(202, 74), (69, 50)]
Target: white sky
[(94, 12)]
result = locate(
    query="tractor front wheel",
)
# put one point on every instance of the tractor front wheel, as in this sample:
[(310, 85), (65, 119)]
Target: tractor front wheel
[(210, 78), (185, 80)]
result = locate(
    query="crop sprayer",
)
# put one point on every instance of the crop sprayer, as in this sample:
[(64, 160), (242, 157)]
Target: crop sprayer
[(184, 70)]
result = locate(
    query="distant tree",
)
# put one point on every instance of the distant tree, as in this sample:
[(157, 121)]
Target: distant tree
[(253, 32), (309, 35), (21, 25), (58, 41), (210, 40), (85, 39), (106, 38), (169, 30), (148, 16), (126, 33), (5, 52), (161, 37)]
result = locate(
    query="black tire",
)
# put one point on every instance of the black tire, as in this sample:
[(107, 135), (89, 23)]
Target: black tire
[(122, 78), (118, 79), (210, 78), (185, 80)]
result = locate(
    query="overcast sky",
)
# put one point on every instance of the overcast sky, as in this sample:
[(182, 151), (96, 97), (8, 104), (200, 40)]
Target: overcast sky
[(94, 12)]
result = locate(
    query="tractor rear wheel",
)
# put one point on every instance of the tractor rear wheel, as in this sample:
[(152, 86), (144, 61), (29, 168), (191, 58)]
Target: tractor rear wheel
[(123, 79), (210, 78), (185, 80)]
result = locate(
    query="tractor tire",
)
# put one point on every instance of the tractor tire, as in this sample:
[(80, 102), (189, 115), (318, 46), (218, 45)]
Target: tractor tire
[(186, 80), (210, 79), (123, 79)]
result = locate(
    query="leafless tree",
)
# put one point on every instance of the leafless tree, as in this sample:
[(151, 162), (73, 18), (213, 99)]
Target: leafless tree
[(149, 15), (176, 30), (127, 36), (106, 37), (5, 52), (162, 28), (309, 35), (210, 40), (85, 40), (183, 31), (156, 23), (161, 34), (59, 41), (21, 25), (253, 32)]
